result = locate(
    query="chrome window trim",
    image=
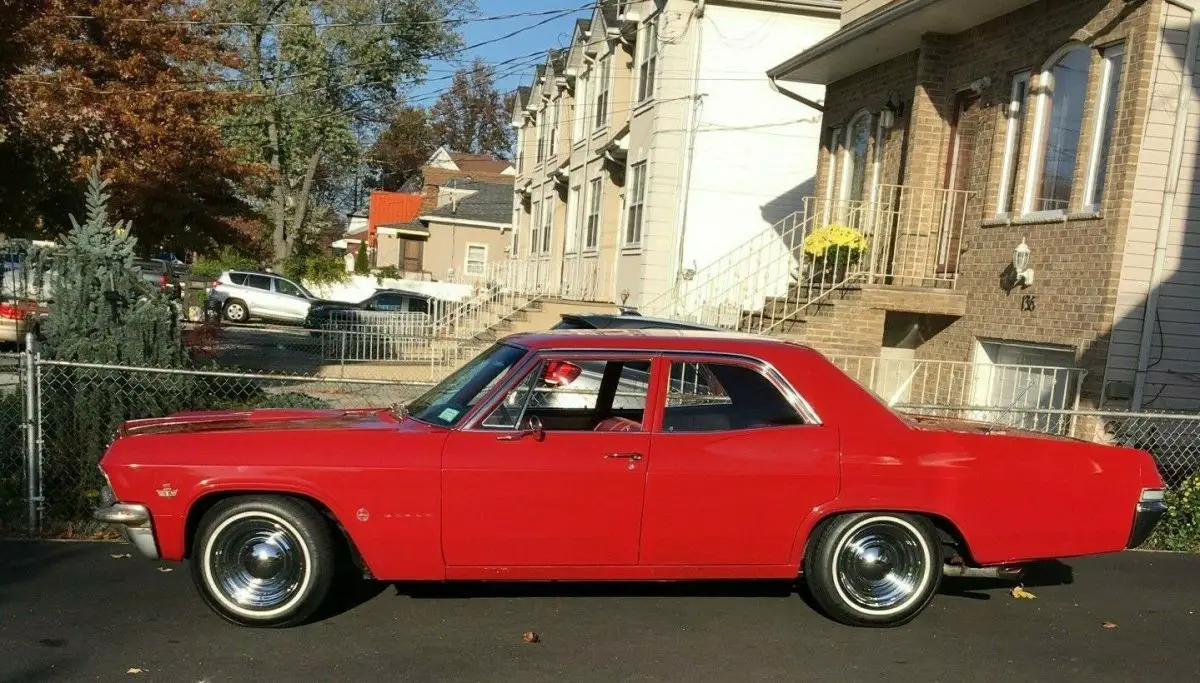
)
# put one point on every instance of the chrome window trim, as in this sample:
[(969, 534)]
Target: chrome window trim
[(767, 369)]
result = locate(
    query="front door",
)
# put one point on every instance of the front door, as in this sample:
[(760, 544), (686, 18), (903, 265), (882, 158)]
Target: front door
[(967, 117), (737, 469), (554, 474), (289, 300)]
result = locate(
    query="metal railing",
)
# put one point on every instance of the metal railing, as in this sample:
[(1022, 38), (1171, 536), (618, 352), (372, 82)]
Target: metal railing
[(996, 393), (906, 236)]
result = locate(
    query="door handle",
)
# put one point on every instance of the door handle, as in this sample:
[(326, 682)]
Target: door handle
[(626, 456)]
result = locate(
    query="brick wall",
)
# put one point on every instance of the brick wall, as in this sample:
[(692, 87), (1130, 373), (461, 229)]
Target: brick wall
[(1077, 260)]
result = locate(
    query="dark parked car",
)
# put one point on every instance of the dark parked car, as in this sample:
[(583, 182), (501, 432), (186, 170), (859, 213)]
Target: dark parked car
[(383, 300), (627, 319)]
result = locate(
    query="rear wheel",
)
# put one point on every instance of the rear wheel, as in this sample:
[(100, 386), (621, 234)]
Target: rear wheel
[(264, 560), (236, 311), (874, 569)]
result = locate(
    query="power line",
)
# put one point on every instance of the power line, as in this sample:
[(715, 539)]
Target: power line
[(452, 21)]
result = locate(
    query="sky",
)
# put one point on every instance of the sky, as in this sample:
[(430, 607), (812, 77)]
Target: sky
[(556, 32)]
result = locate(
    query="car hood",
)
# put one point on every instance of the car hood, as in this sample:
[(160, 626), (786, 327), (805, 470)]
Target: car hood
[(277, 419)]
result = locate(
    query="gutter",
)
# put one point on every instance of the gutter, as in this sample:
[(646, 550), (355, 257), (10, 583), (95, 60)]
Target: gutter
[(1150, 311), (795, 96), (855, 31)]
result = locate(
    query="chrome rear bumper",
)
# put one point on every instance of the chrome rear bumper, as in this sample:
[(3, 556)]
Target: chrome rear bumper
[(135, 524), (1150, 509)]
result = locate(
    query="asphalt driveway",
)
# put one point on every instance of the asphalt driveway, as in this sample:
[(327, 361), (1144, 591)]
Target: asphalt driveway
[(71, 611)]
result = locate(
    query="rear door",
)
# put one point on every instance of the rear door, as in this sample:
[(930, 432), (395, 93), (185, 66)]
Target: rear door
[(259, 297), (738, 464)]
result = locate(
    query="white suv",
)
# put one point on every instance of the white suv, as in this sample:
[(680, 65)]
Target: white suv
[(241, 295)]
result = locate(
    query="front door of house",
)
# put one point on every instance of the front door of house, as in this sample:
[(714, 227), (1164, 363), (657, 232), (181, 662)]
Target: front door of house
[(967, 117)]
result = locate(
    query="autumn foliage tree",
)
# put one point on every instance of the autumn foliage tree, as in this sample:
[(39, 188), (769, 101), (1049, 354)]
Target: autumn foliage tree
[(472, 116), (401, 149), (131, 84)]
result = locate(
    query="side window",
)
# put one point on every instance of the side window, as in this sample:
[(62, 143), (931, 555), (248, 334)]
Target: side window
[(388, 302), (578, 395), (285, 287), (238, 279), (416, 305), (715, 397), (258, 282)]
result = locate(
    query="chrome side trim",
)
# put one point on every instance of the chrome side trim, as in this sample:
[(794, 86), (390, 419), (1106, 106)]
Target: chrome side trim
[(123, 513)]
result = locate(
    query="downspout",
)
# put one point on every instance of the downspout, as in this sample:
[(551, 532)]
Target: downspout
[(692, 125), (1150, 312)]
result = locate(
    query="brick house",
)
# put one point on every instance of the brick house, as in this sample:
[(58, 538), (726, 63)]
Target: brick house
[(964, 139)]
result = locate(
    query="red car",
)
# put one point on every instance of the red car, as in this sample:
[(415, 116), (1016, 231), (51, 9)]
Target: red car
[(618, 455)]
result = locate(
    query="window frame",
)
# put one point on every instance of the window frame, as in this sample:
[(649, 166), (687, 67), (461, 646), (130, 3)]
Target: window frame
[(868, 160), (1014, 142), (535, 225), (547, 225), (763, 368), (1044, 92), (601, 104), (1112, 59), (467, 259), (552, 145), (647, 60), (591, 236), (533, 361), (579, 120), (636, 205)]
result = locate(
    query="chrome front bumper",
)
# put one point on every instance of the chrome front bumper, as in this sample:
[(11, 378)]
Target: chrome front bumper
[(134, 523), (1150, 509)]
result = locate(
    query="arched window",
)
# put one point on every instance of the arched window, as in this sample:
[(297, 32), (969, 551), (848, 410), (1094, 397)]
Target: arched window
[(858, 161), (1063, 93)]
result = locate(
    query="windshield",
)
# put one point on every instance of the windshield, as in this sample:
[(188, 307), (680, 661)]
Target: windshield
[(447, 402)]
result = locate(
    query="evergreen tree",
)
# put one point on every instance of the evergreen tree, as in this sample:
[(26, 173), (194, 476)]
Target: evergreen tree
[(361, 265), (102, 310)]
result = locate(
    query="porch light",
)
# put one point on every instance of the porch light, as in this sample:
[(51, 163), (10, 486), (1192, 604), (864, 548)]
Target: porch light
[(1021, 261)]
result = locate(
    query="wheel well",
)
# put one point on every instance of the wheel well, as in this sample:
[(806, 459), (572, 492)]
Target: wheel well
[(205, 503), (953, 540)]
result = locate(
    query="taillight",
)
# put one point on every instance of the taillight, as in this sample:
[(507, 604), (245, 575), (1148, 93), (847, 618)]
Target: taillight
[(162, 281), (560, 373), (12, 312)]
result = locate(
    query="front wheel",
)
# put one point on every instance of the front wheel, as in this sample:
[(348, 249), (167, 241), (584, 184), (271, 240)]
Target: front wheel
[(264, 560), (874, 569)]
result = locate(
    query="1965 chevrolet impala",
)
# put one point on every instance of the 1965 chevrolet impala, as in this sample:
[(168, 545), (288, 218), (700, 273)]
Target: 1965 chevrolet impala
[(618, 455)]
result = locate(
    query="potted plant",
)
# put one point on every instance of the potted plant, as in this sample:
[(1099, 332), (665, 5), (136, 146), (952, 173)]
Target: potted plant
[(834, 249)]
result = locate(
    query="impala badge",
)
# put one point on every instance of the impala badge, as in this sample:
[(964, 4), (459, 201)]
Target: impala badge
[(166, 491)]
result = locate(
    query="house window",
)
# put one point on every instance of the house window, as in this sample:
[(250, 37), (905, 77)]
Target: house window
[(649, 62), (1018, 103), (541, 135), (858, 145), (535, 227), (1106, 121), (602, 86), (579, 120), (637, 200), (591, 235), (573, 212), (554, 119), (1012, 383), (475, 262), (1060, 118), (547, 226)]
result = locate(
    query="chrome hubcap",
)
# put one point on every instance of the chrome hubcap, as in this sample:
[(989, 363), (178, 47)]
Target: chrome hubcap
[(257, 563), (880, 566)]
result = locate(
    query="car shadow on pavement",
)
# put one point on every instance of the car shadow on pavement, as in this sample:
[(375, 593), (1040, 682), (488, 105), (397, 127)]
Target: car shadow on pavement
[(1040, 574)]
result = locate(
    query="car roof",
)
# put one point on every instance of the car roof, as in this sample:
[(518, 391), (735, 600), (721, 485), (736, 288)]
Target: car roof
[(405, 292), (616, 320), (717, 341)]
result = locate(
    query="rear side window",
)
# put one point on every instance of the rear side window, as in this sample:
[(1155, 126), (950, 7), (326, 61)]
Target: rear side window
[(258, 282), (716, 397), (238, 279)]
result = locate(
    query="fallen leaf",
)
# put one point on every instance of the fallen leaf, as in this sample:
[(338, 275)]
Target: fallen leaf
[(134, 670), (531, 637), (165, 569), (119, 556), (1108, 624), (1020, 592)]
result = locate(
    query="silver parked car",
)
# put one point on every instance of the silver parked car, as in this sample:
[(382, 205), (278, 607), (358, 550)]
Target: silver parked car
[(242, 295)]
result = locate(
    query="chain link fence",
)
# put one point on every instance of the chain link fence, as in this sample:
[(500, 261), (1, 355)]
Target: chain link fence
[(80, 406), (12, 446)]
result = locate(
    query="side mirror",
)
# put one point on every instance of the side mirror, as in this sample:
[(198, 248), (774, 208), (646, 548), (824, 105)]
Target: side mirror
[(532, 428)]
